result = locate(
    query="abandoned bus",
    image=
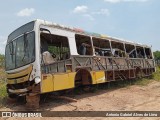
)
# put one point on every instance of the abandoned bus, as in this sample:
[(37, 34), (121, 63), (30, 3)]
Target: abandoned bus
[(43, 57)]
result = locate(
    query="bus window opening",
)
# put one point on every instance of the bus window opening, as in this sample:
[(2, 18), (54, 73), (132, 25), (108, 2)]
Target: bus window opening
[(101, 47), (83, 44), (130, 50), (118, 49), (54, 48), (140, 52)]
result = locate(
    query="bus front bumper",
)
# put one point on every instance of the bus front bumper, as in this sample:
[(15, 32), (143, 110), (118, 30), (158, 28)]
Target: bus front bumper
[(17, 91)]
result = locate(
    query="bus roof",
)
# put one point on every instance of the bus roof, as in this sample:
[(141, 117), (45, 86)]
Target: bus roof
[(83, 32)]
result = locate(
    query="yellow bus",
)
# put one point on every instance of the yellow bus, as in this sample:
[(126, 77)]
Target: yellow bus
[(43, 57)]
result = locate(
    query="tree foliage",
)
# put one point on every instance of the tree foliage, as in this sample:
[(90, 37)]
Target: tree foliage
[(1, 56), (157, 55), (2, 60)]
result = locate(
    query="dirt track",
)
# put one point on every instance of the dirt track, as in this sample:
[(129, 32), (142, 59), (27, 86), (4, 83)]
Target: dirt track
[(132, 98)]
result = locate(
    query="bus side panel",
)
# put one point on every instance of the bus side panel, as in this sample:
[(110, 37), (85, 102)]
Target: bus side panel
[(98, 77), (47, 83), (93, 75), (63, 81)]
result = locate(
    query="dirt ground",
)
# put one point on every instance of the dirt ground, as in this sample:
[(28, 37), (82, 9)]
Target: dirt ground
[(130, 98)]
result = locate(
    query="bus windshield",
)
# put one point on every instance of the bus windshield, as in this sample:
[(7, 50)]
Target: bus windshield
[(20, 51)]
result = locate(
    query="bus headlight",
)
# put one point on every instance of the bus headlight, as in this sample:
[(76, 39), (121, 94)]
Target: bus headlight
[(37, 80)]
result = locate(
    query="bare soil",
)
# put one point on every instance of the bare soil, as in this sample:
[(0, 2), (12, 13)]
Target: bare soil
[(130, 98)]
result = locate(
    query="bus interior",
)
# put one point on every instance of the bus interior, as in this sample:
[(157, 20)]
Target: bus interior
[(101, 47), (54, 48), (84, 46), (118, 49)]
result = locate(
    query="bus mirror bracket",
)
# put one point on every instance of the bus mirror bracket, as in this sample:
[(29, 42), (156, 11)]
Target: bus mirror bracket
[(44, 29)]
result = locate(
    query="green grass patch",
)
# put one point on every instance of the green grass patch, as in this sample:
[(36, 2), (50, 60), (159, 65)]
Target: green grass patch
[(156, 75), (146, 80), (3, 95), (143, 81), (3, 92)]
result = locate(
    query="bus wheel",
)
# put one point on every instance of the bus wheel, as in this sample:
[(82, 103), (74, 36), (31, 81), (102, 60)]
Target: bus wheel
[(32, 101)]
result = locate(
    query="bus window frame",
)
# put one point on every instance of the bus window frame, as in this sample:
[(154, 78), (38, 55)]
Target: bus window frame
[(91, 44), (98, 38), (51, 35), (124, 50)]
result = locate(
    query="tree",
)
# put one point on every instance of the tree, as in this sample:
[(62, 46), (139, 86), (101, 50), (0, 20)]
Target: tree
[(157, 55), (1, 56), (1, 60)]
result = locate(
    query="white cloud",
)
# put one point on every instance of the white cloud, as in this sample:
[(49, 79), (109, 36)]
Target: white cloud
[(118, 1), (102, 12), (80, 9), (84, 11), (26, 12), (112, 1), (89, 16)]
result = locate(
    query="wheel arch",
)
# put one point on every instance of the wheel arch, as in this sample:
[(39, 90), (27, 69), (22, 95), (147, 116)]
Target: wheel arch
[(83, 76)]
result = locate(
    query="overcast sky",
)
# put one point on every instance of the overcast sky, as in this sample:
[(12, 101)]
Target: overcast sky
[(133, 20)]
